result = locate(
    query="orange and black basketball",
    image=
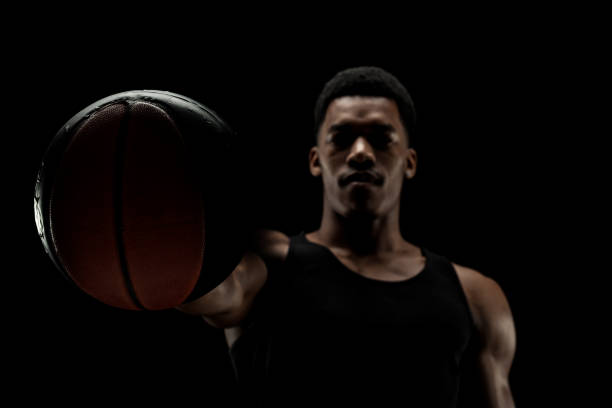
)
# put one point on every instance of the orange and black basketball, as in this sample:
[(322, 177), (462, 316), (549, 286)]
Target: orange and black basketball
[(138, 200)]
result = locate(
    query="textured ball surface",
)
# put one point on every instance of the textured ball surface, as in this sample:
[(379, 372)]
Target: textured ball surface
[(136, 200)]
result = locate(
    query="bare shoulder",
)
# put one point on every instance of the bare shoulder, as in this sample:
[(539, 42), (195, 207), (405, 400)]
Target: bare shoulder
[(271, 245), (485, 296)]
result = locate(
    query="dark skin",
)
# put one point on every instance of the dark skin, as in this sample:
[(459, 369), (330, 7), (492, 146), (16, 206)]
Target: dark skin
[(360, 225)]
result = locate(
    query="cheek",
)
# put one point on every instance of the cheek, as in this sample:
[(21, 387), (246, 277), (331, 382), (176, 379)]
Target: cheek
[(329, 168), (327, 177), (395, 178), (398, 170)]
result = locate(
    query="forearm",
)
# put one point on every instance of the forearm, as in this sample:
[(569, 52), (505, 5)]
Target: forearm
[(228, 304), (220, 300)]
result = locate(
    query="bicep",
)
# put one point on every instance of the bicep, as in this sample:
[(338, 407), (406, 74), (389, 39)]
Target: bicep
[(498, 344), (497, 332)]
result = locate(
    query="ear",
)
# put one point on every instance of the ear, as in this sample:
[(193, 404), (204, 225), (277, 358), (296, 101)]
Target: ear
[(411, 163), (313, 160)]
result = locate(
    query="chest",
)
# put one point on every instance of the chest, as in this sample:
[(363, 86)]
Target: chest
[(333, 308), (391, 268)]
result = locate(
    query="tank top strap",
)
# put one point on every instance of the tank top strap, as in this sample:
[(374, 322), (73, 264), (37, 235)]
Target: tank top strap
[(443, 266), (302, 252), (439, 263)]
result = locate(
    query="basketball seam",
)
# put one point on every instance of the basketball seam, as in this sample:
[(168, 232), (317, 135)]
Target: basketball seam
[(118, 203)]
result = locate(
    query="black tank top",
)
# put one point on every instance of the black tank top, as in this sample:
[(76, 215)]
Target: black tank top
[(319, 332)]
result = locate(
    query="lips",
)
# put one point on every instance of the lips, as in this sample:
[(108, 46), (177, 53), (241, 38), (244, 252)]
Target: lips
[(362, 176)]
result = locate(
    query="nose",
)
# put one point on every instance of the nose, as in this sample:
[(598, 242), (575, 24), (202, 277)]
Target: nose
[(361, 155)]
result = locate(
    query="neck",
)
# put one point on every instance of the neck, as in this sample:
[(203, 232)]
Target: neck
[(361, 233)]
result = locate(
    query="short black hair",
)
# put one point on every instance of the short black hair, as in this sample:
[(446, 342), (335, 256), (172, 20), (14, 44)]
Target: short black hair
[(366, 81)]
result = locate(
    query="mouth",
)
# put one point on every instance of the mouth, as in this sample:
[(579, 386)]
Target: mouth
[(360, 178)]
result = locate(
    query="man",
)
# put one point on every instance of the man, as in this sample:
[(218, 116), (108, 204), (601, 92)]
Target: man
[(352, 312)]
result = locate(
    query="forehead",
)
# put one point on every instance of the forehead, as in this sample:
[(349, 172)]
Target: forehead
[(362, 109)]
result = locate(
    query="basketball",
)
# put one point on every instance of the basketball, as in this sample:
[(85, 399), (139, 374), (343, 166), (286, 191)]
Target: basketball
[(137, 200)]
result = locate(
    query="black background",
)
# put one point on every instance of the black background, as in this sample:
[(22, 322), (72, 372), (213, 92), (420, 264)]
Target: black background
[(492, 131)]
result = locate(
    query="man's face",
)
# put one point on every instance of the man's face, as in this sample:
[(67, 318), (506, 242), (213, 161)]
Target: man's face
[(362, 155)]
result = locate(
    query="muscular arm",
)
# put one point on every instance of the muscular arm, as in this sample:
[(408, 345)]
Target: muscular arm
[(497, 335), (229, 303)]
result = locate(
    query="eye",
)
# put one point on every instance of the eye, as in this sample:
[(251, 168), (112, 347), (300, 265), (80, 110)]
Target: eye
[(342, 139), (381, 141)]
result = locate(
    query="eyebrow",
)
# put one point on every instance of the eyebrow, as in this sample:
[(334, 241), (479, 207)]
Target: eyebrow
[(380, 127)]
